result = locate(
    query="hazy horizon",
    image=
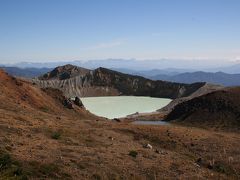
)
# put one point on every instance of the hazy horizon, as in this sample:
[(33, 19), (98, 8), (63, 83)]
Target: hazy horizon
[(124, 65)]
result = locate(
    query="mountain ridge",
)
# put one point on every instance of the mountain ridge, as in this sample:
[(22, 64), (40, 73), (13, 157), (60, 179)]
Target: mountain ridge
[(25, 72), (64, 72), (169, 74), (103, 81), (201, 76), (139, 65)]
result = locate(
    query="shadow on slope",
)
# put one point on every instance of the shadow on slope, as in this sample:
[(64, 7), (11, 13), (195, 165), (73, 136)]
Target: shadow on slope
[(218, 110)]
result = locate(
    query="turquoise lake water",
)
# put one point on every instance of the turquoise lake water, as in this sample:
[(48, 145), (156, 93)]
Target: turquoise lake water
[(121, 106)]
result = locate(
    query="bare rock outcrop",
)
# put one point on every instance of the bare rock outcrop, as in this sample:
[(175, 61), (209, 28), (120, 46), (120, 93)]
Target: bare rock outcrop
[(78, 102), (64, 72), (105, 82)]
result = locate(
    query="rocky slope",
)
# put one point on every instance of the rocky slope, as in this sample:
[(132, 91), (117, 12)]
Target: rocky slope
[(64, 72), (219, 109), (205, 89), (75, 81)]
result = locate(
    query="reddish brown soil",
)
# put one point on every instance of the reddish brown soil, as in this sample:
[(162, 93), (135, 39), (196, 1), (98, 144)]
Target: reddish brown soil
[(49, 141)]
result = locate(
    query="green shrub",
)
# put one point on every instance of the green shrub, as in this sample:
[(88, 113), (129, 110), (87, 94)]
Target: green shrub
[(49, 169), (56, 135), (133, 154), (36, 170), (44, 109), (10, 169), (5, 160)]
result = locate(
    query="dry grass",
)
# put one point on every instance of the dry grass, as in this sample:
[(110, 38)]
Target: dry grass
[(91, 148)]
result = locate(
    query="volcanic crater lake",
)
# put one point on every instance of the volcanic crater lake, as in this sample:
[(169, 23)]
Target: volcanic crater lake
[(121, 106)]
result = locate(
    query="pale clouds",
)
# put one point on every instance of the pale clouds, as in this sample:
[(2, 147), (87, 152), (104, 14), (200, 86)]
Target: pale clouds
[(106, 45)]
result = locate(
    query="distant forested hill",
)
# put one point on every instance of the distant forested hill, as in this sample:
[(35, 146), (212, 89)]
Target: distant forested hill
[(26, 72), (191, 77)]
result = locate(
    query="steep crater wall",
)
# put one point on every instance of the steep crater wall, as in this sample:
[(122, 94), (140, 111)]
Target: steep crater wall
[(105, 82)]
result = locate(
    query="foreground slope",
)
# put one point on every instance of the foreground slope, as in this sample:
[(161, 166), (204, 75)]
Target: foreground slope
[(42, 139), (17, 94), (76, 81), (219, 109)]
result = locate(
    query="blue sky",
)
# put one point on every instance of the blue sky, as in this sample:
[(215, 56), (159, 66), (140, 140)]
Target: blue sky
[(59, 30)]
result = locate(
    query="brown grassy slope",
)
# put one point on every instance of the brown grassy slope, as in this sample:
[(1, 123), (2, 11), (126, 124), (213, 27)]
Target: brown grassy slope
[(28, 115), (219, 109), (57, 143), (19, 94), (14, 91)]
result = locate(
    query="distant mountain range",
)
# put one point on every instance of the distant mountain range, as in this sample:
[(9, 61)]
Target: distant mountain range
[(26, 72), (169, 65), (153, 72), (233, 69), (169, 74), (215, 78)]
